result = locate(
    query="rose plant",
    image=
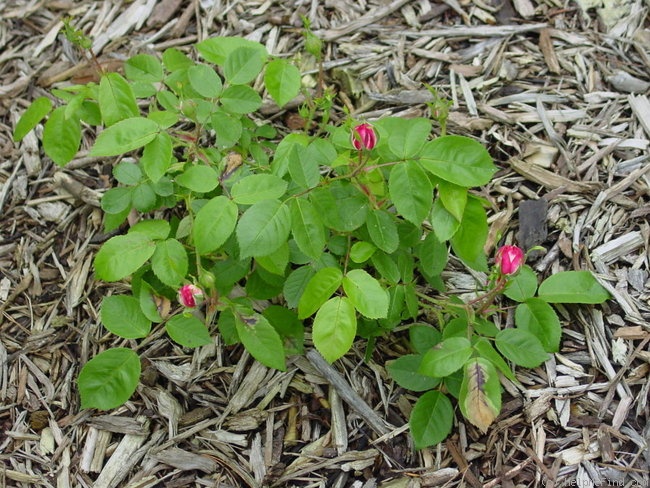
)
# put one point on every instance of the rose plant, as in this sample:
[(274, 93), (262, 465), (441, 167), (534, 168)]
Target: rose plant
[(464, 355), (272, 239)]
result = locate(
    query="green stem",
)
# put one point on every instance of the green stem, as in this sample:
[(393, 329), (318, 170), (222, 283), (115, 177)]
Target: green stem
[(98, 66), (347, 255)]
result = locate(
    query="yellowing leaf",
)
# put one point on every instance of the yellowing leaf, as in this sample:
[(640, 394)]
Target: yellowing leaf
[(480, 393)]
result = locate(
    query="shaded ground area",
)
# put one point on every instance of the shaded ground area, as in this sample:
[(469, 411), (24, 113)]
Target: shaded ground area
[(558, 93)]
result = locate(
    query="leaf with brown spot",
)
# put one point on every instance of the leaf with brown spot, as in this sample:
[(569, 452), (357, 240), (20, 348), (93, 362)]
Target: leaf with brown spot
[(480, 393)]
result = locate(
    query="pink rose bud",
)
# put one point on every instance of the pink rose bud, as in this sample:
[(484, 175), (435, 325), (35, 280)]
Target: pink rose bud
[(188, 295), (509, 259), (364, 137)]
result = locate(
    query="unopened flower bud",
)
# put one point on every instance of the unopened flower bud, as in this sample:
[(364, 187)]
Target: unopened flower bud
[(190, 295), (509, 259), (364, 137), (207, 280)]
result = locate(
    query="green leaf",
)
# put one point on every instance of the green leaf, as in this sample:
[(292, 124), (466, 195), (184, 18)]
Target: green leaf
[(199, 178), (116, 99), (406, 136), (164, 118), (164, 187), (240, 99), (288, 151), (522, 286), (277, 261), (286, 323), (459, 160), (453, 198), (124, 136), (411, 301), (431, 419), (205, 81), (521, 347), (32, 117), (216, 49), (197, 109), (319, 289), (255, 188), (116, 200), (61, 137), (453, 383), (468, 242), (73, 109), (148, 302), (485, 327), (396, 302), (304, 163), (157, 156), (228, 128), (404, 371), (423, 337), (123, 255), (382, 230), (127, 173), (156, 229), (261, 340), (455, 328), (334, 328), (243, 64), (214, 224), (263, 228), (538, 317), (168, 101), (144, 197), (113, 221), (321, 151), (169, 262), (446, 357), (444, 224), (109, 379), (361, 251), (179, 83), (142, 89), (432, 254), (366, 294), (121, 315), (229, 271), (572, 287), (260, 287), (294, 286), (307, 228), (485, 350), (406, 265), (282, 80), (228, 327), (341, 206), (411, 191), (386, 266), (480, 393), (188, 331), (89, 112), (144, 67), (175, 60)]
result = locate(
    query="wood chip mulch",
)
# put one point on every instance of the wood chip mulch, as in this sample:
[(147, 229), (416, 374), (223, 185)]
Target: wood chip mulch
[(559, 93)]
